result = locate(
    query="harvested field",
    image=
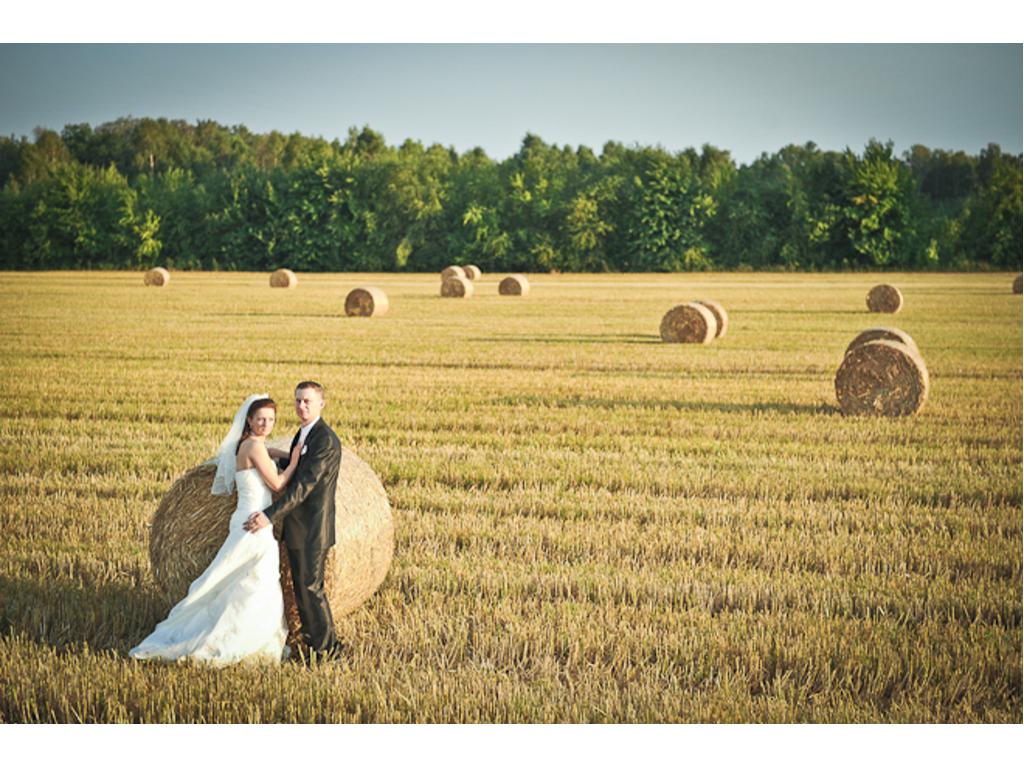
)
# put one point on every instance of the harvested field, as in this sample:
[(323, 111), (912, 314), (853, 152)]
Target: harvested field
[(590, 525)]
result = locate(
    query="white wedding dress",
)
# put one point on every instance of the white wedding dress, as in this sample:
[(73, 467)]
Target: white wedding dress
[(234, 610)]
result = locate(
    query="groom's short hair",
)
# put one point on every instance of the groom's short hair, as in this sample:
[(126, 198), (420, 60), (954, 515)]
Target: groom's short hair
[(310, 385)]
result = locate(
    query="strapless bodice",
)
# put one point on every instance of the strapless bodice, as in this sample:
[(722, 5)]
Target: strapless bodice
[(233, 611), (253, 493)]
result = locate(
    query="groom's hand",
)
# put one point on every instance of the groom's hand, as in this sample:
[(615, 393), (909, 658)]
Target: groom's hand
[(256, 522)]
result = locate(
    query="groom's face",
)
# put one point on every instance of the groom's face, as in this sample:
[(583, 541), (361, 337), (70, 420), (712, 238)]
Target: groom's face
[(308, 404)]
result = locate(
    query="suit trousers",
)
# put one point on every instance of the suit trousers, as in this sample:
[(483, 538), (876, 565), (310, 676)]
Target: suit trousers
[(311, 598)]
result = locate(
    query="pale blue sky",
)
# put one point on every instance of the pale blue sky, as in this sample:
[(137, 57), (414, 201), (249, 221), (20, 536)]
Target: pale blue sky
[(747, 99)]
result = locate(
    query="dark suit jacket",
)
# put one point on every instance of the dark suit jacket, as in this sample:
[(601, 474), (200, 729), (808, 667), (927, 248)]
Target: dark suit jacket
[(307, 503)]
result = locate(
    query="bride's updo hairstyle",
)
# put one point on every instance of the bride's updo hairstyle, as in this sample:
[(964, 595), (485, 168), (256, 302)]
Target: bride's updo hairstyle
[(263, 402)]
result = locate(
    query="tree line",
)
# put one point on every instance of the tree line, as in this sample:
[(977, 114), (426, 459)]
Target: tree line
[(140, 192)]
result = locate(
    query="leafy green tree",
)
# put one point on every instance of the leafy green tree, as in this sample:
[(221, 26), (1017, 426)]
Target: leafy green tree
[(109, 144), (10, 160), (755, 217), (489, 243), (990, 229), (539, 184), (670, 212), (203, 195), (16, 251), (146, 229), (32, 162), (473, 230), (82, 217), (182, 207), (588, 226), (875, 216)]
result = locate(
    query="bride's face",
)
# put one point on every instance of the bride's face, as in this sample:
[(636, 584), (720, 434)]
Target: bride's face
[(262, 422)]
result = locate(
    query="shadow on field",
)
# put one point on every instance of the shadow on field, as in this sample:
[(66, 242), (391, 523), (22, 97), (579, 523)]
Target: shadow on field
[(612, 404), (776, 311), (64, 613), (612, 338), (288, 315)]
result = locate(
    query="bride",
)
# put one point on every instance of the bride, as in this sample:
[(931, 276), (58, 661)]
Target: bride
[(235, 610)]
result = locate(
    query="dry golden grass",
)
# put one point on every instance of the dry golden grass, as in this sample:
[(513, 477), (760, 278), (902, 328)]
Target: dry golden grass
[(605, 529)]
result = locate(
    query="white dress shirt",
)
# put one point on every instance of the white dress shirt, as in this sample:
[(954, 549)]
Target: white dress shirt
[(304, 432)]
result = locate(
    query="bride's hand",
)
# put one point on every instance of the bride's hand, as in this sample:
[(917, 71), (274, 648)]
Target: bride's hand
[(296, 452)]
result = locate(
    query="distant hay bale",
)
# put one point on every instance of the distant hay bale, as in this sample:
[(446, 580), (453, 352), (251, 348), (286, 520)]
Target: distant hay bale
[(456, 288), (452, 271), (366, 302), (472, 271), (885, 298), (283, 278), (1018, 284), (888, 334), (689, 323), (190, 524), (514, 285), (157, 276), (881, 377), (721, 316)]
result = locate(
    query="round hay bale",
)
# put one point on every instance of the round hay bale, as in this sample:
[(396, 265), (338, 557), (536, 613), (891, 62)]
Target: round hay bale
[(452, 271), (885, 298), (366, 302), (514, 285), (456, 288), (721, 316), (283, 278), (882, 377), (889, 334), (689, 323), (190, 524), (1018, 284), (157, 276), (472, 271)]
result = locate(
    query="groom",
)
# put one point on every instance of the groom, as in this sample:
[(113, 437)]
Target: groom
[(307, 507)]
